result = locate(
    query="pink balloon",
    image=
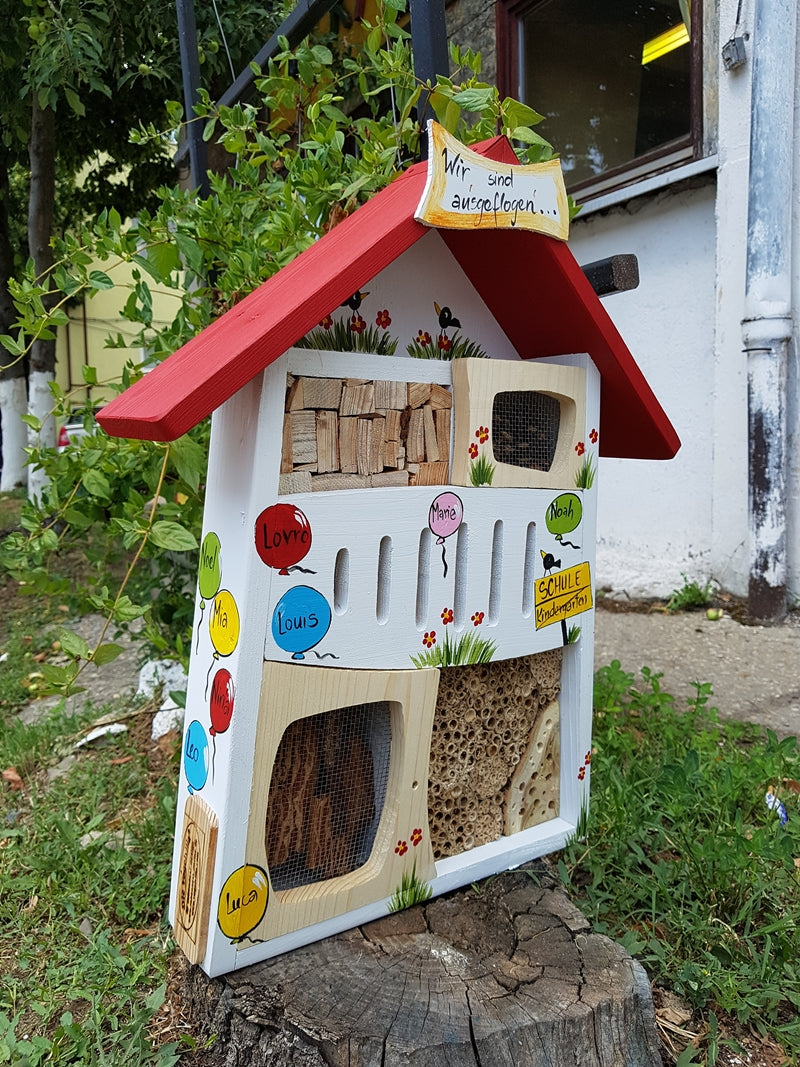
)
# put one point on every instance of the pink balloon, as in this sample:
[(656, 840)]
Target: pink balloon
[(445, 515)]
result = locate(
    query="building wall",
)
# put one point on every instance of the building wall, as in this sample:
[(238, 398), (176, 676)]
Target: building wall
[(660, 521)]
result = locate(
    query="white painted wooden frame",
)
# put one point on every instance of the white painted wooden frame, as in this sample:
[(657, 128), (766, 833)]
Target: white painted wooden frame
[(220, 766)]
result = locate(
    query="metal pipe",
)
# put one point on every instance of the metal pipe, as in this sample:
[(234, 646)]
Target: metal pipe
[(767, 327), (190, 67)]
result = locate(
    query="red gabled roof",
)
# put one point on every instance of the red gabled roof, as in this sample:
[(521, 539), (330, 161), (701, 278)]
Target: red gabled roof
[(530, 283)]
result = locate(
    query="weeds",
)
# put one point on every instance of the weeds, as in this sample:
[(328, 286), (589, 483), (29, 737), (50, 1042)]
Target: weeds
[(469, 648), (684, 861), (690, 595)]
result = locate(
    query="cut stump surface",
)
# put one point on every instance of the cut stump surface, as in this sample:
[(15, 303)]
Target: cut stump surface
[(505, 975)]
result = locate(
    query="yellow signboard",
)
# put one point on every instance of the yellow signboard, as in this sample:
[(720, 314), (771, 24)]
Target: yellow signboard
[(467, 191), (563, 594)]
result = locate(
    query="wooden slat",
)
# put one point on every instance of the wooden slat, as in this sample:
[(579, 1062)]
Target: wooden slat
[(357, 399), (348, 445), (327, 441), (429, 431), (390, 395), (304, 437), (388, 478), (440, 397), (296, 482), (327, 482), (432, 473), (441, 418), (419, 393), (415, 441), (322, 393)]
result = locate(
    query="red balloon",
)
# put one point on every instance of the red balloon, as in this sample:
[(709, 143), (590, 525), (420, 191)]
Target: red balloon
[(283, 536), (221, 701)]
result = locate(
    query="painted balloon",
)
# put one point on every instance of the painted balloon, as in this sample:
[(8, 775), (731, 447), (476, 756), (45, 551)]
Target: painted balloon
[(283, 536), (242, 901), (221, 701), (300, 620), (223, 623), (195, 756), (445, 515), (564, 513), (209, 575)]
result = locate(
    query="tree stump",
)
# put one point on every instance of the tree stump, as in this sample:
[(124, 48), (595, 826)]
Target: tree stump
[(507, 974)]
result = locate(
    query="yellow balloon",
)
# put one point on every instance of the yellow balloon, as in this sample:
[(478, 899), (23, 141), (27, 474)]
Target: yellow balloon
[(243, 901), (223, 623)]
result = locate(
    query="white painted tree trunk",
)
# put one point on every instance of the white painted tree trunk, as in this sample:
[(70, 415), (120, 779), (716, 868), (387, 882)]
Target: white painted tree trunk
[(13, 405), (40, 404)]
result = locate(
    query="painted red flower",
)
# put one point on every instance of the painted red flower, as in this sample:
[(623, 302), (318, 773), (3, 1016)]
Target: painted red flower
[(581, 776), (580, 448), (473, 451), (416, 836), (429, 640), (357, 324), (444, 343), (447, 616), (423, 337), (401, 848), (477, 618), (327, 322), (383, 319), (593, 435), (587, 759), (482, 433)]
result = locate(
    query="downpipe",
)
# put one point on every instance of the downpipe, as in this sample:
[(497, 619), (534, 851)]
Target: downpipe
[(767, 321)]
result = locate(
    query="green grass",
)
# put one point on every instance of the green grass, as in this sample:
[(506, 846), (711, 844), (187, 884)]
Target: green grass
[(469, 648), (683, 861), (410, 891), (85, 946), (460, 348), (481, 471), (340, 338)]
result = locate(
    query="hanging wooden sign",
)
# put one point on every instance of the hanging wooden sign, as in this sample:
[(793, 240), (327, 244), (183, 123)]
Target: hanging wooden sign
[(467, 191)]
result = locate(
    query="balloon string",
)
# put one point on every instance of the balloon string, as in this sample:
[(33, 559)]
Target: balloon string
[(210, 669), (199, 625), (444, 560), (568, 543), (213, 755)]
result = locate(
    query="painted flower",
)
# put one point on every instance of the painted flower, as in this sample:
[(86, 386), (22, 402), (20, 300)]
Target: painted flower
[(401, 848), (593, 435), (477, 618), (581, 776), (473, 451), (383, 319), (327, 322), (429, 640), (587, 759), (416, 836), (482, 433), (423, 337), (447, 616), (580, 448), (444, 343), (357, 324)]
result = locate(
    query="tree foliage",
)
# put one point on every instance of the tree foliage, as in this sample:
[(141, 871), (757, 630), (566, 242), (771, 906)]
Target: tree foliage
[(328, 129)]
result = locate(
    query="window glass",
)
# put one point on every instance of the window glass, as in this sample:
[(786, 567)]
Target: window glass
[(612, 78)]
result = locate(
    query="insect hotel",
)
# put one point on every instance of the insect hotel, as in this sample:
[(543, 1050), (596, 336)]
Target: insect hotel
[(390, 685)]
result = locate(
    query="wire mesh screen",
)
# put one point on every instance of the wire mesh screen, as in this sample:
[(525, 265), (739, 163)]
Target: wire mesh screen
[(525, 427), (327, 793)]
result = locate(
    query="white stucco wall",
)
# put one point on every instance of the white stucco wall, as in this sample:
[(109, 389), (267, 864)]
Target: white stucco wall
[(655, 517)]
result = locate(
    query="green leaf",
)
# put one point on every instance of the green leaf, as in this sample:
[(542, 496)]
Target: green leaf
[(96, 484), (190, 461), (516, 113), (523, 133), (161, 260), (74, 101), (474, 99), (89, 374), (106, 653), (191, 252), (98, 279), (73, 644), (172, 536)]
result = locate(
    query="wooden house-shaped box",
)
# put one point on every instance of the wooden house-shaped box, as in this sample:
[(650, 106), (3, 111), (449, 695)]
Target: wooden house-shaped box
[(391, 673)]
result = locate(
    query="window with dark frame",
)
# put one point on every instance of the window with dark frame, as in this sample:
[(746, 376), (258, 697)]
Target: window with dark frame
[(618, 82)]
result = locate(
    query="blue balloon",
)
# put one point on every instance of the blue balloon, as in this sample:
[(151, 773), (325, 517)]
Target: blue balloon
[(195, 756), (300, 620)]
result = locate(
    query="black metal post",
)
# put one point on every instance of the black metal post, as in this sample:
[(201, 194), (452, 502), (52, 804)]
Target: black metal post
[(429, 46), (190, 67)]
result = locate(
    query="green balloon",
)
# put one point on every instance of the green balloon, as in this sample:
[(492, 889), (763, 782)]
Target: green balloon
[(210, 575), (564, 513)]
